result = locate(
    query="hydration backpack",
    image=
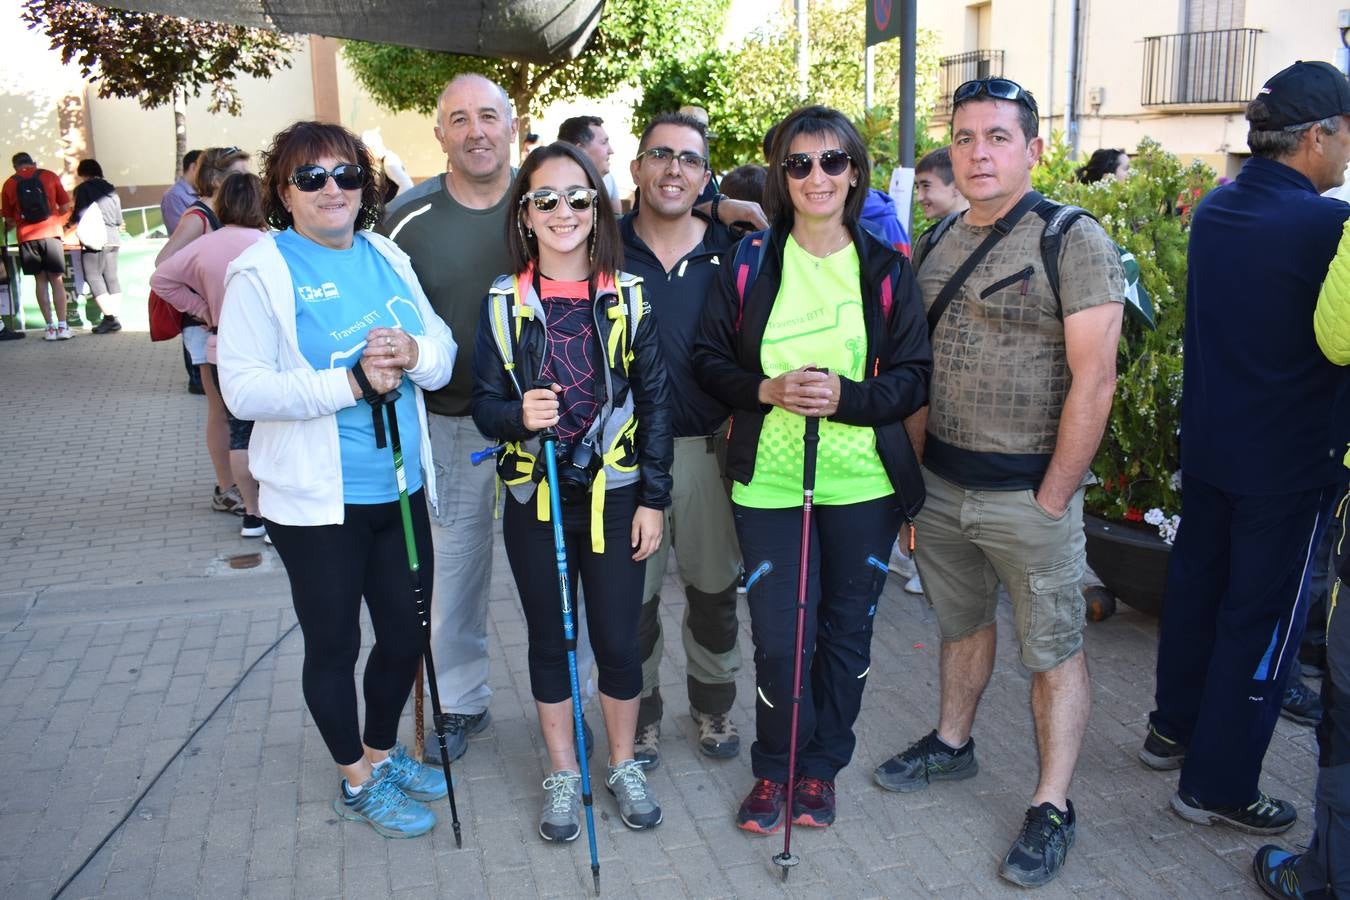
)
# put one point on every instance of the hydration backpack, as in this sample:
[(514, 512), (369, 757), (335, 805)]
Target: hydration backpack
[(32, 197)]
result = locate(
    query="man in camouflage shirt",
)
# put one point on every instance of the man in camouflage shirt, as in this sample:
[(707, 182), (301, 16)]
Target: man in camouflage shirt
[(1021, 390)]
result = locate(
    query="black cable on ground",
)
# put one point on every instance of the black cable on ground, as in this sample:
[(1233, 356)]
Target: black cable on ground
[(164, 768)]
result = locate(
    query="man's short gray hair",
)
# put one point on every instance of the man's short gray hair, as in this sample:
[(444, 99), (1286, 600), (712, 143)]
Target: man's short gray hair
[(473, 76), (1281, 142)]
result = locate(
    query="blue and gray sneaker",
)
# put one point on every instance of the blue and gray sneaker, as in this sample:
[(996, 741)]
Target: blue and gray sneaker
[(1040, 850), (1276, 872), (389, 811), (418, 781)]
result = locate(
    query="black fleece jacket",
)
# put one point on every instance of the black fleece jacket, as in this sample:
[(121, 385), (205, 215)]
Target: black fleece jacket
[(899, 361)]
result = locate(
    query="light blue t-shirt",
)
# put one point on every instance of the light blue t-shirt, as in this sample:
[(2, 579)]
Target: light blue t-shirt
[(339, 296)]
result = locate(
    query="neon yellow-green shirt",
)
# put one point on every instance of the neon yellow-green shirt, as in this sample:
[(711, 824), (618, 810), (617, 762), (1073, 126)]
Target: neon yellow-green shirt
[(817, 318)]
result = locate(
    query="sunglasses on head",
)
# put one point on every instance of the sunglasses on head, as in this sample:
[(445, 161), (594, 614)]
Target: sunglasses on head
[(546, 199), (998, 88), (349, 177), (663, 155), (832, 162)]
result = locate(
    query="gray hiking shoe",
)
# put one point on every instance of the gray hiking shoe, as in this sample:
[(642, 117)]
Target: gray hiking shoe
[(458, 728), (717, 735), (560, 819), (637, 807), (647, 746)]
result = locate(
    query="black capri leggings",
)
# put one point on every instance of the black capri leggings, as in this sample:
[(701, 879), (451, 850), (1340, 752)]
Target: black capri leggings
[(613, 583), (330, 568), (100, 270)]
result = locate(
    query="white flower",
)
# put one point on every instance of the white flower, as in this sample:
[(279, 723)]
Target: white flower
[(1175, 481), (1167, 527)]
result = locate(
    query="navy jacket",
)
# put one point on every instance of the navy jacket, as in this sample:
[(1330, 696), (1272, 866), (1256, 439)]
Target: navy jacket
[(1258, 408), (677, 297)]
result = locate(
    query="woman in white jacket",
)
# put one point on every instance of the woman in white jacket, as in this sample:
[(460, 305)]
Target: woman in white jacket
[(316, 318)]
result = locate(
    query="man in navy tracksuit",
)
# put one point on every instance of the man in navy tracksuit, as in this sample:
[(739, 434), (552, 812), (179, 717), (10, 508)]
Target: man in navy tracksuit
[(679, 254), (1261, 445)]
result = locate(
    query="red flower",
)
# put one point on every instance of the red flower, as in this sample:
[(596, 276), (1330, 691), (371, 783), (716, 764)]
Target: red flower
[(1134, 514)]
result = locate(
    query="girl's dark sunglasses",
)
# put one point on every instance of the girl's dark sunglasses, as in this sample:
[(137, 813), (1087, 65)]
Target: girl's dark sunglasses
[(546, 200), (832, 162), (349, 177)]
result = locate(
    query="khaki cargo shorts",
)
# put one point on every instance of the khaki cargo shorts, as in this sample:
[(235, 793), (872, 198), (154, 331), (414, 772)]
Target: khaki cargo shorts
[(970, 540)]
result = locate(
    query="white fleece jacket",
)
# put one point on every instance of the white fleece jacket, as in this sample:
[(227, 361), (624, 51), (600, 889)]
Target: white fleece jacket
[(264, 377)]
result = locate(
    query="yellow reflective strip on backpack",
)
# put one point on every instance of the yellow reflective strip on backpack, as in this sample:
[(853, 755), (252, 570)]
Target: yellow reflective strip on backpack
[(499, 329), (617, 332), (598, 512)]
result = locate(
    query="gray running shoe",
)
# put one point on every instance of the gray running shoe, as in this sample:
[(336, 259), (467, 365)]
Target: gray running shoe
[(925, 761), (560, 819), (637, 807), (647, 746)]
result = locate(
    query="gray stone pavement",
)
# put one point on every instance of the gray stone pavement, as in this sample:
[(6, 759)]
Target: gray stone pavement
[(122, 626)]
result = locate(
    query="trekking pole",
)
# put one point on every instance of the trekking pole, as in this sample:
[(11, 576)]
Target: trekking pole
[(810, 440), (549, 439), (439, 718)]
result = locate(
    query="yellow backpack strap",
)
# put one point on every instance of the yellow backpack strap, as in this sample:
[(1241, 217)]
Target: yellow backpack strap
[(501, 330), (521, 310), (610, 457)]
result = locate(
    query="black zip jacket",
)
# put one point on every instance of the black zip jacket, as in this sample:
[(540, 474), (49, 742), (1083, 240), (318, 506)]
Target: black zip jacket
[(899, 361), (678, 297), (498, 409)]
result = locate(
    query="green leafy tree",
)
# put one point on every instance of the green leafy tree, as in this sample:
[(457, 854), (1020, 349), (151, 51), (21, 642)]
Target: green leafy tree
[(748, 87), (632, 35), (159, 60)]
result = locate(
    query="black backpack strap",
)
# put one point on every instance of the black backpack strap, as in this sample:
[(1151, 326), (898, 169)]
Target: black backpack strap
[(928, 240), (1001, 227), (1059, 219)]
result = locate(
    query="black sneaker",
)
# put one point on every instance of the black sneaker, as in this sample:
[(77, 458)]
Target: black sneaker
[(1037, 855), (1265, 815), (926, 760), (253, 527), (107, 325), (9, 334), (1276, 872), (1161, 753), (1301, 703)]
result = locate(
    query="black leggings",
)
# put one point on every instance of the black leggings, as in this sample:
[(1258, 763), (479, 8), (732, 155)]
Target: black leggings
[(100, 270), (331, 567), (613, 583)]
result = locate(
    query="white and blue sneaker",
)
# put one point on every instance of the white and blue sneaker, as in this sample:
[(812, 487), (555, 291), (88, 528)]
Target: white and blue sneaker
[(417, 780), (387, 809)]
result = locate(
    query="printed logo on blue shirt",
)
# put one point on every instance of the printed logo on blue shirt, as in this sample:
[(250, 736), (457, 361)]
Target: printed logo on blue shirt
[(325, 291)]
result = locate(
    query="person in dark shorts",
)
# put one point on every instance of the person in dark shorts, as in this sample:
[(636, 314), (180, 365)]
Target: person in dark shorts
[(35, 202)]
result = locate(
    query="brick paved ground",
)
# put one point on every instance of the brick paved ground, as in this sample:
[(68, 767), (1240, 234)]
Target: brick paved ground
[(121, 628)]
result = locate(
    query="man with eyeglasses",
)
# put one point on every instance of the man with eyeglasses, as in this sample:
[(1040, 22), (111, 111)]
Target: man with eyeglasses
[(1021, 389), (453, 228), (678, 254), (1264, 429)]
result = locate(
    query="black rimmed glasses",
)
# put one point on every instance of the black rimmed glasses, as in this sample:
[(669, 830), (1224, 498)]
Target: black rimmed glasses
[(349, 177), (997, 88), (687, 159), (546, 199), (832, 162)]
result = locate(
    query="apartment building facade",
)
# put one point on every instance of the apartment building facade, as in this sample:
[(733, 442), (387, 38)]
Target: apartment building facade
[(1178, 71)]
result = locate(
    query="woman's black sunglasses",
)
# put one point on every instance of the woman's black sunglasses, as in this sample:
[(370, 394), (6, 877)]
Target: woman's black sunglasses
[(349, 177), (832, 162), (546, 199), (998, 88)]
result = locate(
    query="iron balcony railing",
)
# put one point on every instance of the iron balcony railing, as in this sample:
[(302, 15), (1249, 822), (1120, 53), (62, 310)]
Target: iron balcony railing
[(1200, 67), (963, 67)]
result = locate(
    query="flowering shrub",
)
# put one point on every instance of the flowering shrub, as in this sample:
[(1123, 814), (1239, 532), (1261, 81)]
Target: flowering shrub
[(1140, 453)]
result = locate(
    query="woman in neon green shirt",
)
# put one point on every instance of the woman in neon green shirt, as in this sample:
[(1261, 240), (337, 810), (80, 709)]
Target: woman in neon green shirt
[(828, 295)]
